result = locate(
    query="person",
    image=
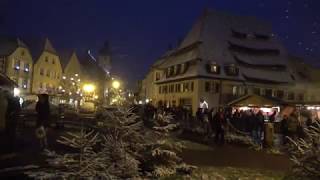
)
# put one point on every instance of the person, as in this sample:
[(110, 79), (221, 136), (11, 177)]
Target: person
[(203, 105), (284, 128), (293, 124), (43, 111), (272, 117), (260, 124), (13, 110), (219, 123), (3, 110)]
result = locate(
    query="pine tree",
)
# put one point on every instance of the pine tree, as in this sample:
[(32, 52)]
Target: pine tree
[(305, 153)]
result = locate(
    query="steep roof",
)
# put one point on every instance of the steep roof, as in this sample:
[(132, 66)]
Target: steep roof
[(212, 39), (8, 45), (65, 57), (39, 45)]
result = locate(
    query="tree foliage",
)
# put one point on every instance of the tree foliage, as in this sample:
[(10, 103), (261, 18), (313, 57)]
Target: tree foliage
[(120, 148), (305, 153)]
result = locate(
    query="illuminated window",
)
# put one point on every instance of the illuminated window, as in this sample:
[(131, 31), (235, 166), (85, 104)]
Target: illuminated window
[(235, 90), (213, 68)]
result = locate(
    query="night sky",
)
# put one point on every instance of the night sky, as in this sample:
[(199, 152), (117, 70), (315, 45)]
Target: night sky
[(140, 31)]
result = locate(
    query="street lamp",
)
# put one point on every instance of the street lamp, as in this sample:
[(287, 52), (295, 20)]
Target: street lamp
[(116, 84)]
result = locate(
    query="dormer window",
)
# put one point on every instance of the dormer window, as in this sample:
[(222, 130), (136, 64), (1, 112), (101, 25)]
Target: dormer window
[(213, 68), (157, 76), (232, 70)]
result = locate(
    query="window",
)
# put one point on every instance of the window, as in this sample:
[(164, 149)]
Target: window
[(213, 68), (41, 71), (261, 37), (58, 76), (46, 59), (291, 96), (178, 88), (207, 87), (235, 90), (53, 61), (183, 68), (269, 93), (157, 76), (22, 53), (159, 89), (48, 73), (178, 69), (25, 84), (280, 94), (231, 70), (26, 67), (41, 85), (17, 64), (165, 89), (239, 35), (185, 87), (171, 88)]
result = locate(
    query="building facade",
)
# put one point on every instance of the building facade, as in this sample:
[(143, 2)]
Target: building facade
[(47, 70), (16, 63), (222, 58)]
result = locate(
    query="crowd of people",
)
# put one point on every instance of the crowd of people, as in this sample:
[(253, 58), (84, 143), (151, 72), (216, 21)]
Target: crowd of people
[(217, 121)]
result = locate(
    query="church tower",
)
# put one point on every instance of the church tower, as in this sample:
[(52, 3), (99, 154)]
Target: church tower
[(104, 58)]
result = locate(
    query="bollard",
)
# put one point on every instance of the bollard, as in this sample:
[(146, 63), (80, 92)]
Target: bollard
[(268, 134)]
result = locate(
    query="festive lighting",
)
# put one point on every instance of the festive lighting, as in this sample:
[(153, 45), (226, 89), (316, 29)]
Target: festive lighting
[(71, 79), (116, 84), (96, 97), (76, 75), (89, 88), (63, 77)]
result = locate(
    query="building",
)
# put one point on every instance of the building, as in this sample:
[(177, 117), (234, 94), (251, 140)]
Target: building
[(222, 58), (16, 63), (47, 71), (72, 78)]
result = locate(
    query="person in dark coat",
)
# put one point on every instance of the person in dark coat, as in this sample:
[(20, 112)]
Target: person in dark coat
[(219, 123), (43, 110), (12, 113), (284, 127)]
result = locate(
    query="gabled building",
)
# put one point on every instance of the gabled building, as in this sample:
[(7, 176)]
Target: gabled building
[(47, 68), (16, 63), (222, 58), (72, 78)]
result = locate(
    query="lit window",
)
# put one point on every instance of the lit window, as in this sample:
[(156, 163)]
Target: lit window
[(17, 64), (26, 67), (213, 68)]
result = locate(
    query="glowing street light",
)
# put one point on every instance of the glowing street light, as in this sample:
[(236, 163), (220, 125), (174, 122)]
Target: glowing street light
[(89, 88), (116, 84)]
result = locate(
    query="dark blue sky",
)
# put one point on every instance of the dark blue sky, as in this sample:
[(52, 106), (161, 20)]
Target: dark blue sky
[(140, 31)]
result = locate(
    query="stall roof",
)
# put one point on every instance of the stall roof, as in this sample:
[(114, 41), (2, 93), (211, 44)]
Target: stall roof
[(6, 81), (256, 100)]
